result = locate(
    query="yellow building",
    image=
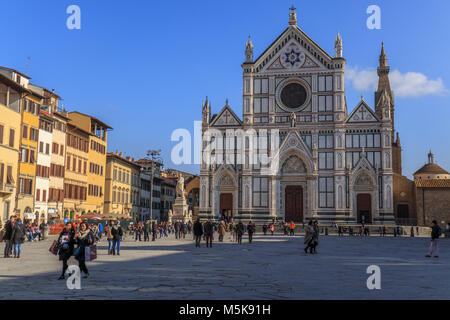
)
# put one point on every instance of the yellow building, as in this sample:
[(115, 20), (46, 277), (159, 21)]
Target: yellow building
[(29, 133), (98, 143), (11, 94), (122, 191), (76, 172)]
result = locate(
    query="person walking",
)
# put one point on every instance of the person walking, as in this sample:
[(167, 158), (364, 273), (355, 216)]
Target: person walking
[(198, 232), (117, 233), (65, 246), (100, 230), (436, 232), (9, 226), (316, 235), (250, 231), (272, 228), (239, 231), (184, 229), (83, 239), (291, 228), (233, 231), (18, 237), (208, 232), (309, 238), (153, 231), (110, 237), (177, 229), (221, 231), (147, 231), (265, 227)]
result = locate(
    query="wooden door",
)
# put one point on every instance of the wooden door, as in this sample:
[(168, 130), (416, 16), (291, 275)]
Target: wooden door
[(294, 204)]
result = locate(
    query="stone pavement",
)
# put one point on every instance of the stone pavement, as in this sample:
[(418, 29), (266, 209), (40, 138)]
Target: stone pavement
[(270, 268)]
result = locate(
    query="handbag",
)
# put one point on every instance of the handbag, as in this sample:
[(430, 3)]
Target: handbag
[(90, 253), (54, 248), (93, 252)]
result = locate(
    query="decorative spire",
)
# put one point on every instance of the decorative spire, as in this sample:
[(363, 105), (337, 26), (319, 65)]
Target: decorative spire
[(226, 102), (292, 16), (430, 158), (338, 49), (383, 58), (206, 111), (384, 97), (249, 51)]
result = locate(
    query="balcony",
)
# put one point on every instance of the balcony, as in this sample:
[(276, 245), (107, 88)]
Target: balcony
[(6, 190)]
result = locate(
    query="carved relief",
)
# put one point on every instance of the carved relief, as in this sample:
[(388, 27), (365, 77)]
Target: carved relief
[(364, 180), (293, 165)]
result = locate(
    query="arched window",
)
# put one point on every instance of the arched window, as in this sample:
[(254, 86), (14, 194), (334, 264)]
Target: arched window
[(388, 160), (339, 142), (203, 196), (388, 197), (340, 197), (339, 160), (247, 197)]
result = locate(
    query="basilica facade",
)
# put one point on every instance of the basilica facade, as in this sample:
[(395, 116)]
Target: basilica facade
[(297, 154)]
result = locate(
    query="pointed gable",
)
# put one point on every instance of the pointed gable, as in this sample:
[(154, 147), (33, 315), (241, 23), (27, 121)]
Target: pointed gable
[(293, 49), (226, 117), (362, 114)]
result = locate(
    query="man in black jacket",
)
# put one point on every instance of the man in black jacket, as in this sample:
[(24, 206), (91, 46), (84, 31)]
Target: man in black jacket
[(8, 237), (436, 232), (208, 231), (198, 232)]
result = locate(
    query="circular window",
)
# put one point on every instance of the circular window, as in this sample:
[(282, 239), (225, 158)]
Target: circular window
[(293, 95)]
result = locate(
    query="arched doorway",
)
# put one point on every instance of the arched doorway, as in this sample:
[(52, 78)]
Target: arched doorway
[(294, 184)]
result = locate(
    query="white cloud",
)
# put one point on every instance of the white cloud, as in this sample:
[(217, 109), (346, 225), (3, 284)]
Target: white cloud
[(405, 85)]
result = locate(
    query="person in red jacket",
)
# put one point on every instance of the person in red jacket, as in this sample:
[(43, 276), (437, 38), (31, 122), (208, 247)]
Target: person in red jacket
[(292, 228)]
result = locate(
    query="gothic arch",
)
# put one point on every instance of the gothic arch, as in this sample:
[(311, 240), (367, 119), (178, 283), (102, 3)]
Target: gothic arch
[(289, 154)]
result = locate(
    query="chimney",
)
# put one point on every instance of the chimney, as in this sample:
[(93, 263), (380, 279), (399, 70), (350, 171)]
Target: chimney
[(121, 155), (128, 158), (117, 152), (132, 159)]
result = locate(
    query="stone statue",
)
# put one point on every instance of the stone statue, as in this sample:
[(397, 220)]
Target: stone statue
[(180, 186), (293, 120)]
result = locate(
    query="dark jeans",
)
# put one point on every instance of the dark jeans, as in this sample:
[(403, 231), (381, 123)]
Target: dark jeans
[(292, 232), (8, 247), (208, 238), (250, 237), (198, 239), (116, 245), (239, 238), (146, 236)]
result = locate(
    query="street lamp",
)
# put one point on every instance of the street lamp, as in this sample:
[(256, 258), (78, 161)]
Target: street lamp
[(153, 155)]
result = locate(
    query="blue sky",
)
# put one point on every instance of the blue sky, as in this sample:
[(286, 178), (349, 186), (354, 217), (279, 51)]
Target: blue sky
[(145, 67)]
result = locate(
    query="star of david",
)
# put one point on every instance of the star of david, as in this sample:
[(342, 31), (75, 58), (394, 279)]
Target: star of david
[(293, 57)]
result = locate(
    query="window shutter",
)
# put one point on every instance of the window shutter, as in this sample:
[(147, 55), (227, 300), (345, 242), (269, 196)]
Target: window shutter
[(11, 138), (1, 134), (38, 194), (2, 168)]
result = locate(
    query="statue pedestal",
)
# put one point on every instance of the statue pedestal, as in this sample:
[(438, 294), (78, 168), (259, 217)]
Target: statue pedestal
[(180, 210)]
